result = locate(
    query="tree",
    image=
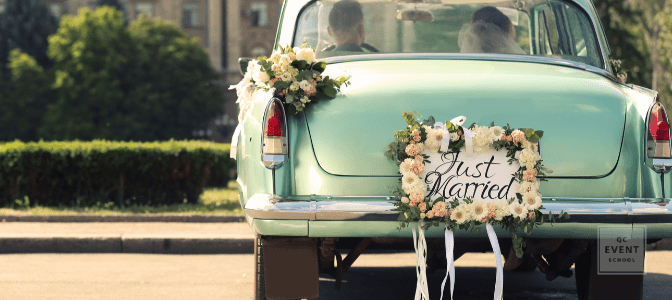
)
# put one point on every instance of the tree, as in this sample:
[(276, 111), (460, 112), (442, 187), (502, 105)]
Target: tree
[(91, 54), (23, 105), (174, 78), (143, 82), (26, 24)]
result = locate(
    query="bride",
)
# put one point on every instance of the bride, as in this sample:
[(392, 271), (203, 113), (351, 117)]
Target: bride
[(490, 31)]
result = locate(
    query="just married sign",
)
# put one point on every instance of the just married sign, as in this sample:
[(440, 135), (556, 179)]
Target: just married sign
[(485, 177), (465, 178)]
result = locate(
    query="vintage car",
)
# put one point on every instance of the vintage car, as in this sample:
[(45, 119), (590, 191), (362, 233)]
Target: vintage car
[(324, 182)]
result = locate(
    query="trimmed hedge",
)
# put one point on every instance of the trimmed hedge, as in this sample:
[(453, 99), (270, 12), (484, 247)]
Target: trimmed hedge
[(90, 173)]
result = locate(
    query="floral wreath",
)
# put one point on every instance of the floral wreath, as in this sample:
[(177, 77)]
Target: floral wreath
[(417, 209)]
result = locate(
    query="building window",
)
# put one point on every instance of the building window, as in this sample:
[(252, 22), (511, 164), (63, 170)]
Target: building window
[(56, 9), (259, 14), (144, 7), (190, 12)]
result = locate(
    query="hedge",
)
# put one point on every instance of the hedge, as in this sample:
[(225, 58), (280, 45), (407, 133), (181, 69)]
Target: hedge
[(90, 173)]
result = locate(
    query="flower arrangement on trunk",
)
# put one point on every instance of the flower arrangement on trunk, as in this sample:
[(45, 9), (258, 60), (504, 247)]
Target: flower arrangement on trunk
[(521, 212), (294, 74)]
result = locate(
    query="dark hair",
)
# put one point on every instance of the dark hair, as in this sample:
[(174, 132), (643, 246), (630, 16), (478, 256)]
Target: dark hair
[(345, 14), (492, 15)]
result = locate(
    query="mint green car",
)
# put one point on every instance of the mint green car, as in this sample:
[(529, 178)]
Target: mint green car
[(530, 63)]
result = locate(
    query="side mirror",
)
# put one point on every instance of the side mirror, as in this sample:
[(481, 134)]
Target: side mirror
[(242, 64)]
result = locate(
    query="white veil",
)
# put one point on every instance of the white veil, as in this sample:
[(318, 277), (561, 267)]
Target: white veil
[(482, 37)]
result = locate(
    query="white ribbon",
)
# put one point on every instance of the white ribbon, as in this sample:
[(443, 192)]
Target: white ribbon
[(468, 142), (450, 262), (446, 136), (499, 281), (234, 142), (420, 245)]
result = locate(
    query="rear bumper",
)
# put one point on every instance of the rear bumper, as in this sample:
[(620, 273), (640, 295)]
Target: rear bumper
[(379, 208), (361, 216)]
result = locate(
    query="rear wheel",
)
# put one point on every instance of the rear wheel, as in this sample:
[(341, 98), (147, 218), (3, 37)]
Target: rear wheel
[(591, 286)]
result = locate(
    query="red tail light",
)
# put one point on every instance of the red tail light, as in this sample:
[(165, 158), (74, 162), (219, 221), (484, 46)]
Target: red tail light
[(274, 139), (275, 123), (658, 132), (658, 126)]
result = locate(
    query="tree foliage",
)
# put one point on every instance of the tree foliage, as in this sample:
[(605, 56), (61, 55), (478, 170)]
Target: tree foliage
[(145, 81), (26, 24), (24, 98)]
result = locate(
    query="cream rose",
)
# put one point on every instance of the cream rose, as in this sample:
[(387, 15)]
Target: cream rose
[(306, 54)]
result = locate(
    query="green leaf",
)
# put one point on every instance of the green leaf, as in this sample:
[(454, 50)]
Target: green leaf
[(539, 133), (566, 216), (533, 139), (281, 85), (330, 92)]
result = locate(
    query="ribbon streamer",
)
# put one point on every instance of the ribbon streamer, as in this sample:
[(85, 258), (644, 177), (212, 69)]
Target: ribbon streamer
[(234, 142), (499, 281), (450, 267), (446, 136), (468, 142), (420, 245)]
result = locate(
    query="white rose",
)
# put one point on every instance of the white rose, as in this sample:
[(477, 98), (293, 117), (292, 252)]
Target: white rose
[(286, 77), (528, 158), (293, 71), (305, 99), (482, 139), (405, 200), (527, 186), (260, 75), (306, 54), (294, 86), (305, 85)]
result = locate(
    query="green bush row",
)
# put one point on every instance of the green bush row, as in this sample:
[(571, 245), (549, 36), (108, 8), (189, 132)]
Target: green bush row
[(88, 173)]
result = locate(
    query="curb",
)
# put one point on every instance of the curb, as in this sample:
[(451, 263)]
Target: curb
[(127, 243), (123, 218)]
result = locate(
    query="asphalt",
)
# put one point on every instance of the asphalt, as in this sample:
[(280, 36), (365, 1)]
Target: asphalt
[(148, 235), (179, 234)]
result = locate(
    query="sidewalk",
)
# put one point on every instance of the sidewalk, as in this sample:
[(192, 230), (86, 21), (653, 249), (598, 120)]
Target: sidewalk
[(126, 237)]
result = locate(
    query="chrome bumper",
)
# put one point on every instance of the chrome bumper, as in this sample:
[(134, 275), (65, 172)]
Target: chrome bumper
[(380, 208)]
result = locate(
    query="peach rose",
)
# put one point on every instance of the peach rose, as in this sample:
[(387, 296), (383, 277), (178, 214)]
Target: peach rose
[(530, 175), (412, 150), (417, 196), (518, 136), (417, 168), (422, 206), (419, 158), (531, 215), (416, 138), (416, 132), (430, 214)]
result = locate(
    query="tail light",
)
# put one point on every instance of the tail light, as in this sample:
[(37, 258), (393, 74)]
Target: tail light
[(658, 132), (274, 139)]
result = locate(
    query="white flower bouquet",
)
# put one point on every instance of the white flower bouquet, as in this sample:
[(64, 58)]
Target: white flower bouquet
[(294, 74)]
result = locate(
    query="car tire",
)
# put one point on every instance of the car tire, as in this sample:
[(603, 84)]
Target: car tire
[(259, 282), (591, 286)]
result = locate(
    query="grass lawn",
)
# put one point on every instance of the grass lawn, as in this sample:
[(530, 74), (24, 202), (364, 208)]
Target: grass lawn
[(213, 201)]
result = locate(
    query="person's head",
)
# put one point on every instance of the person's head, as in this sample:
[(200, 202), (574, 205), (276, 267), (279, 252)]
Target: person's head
[(492, 15), (346, 23)]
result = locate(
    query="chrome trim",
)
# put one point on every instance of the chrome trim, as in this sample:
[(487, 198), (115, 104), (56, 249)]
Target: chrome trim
[(378, 208)]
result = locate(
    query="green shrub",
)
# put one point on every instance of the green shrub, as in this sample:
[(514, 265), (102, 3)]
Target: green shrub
[(84, 173)]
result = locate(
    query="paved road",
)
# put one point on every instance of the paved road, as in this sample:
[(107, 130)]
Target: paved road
[(202, 277)]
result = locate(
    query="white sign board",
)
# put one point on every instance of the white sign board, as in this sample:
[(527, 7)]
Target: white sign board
[(486, 177)]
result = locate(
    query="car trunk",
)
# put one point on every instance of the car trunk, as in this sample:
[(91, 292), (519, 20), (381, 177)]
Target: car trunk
[(582, 114)]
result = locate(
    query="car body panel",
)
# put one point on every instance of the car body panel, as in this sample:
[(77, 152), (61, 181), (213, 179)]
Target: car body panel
[(574, 108)]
